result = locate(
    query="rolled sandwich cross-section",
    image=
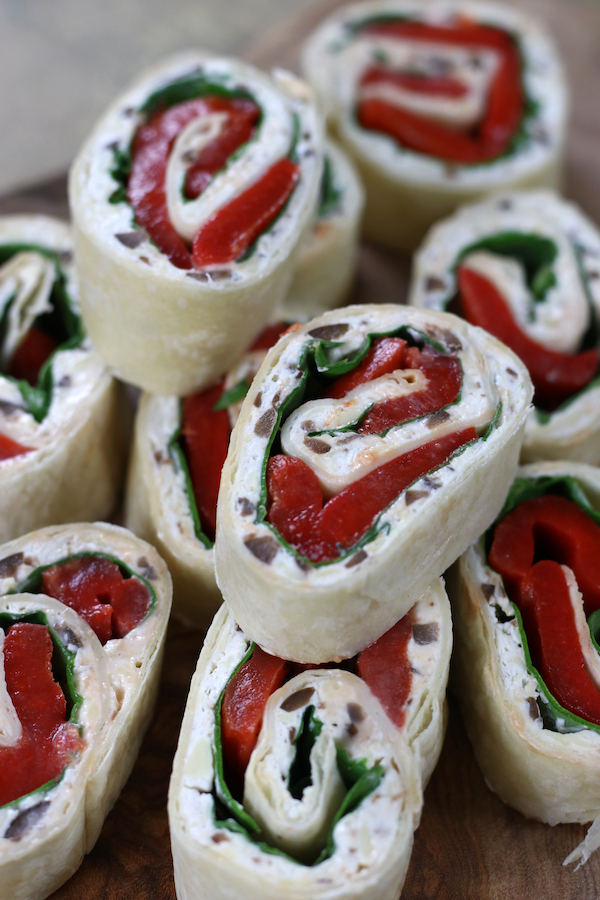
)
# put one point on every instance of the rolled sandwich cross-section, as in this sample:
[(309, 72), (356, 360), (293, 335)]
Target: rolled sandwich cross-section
[(55, 792), (307, 782), (524, 267), (326, 263), (62, 418), (371, 444), (438, 103), (527, 615), (190, 200), (179, 449)]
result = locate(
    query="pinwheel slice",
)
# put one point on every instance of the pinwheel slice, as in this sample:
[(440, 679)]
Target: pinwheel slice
[(422, 418), (527, 656), (179, 449), (524, 267), (337, 762), (62, 417), (190, 200), (438, 104), (327, 261), (112, 594)]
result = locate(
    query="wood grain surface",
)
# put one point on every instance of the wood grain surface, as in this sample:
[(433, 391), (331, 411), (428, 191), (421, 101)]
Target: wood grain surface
[(469, 846)]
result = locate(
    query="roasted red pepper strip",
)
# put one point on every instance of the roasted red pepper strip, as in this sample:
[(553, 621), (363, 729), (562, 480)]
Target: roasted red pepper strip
[(556, 376), (444, 380), (549, 622), (549, 527), (504, 102), (318, 530), (10, 448), (465, 33), (206, 439), (386, 355), (150, 154), (47, 741), (31, 354), (557, 532), (419, 84), (96, 590), (385, 668), (243, 116), (242, 710), (234, 228)]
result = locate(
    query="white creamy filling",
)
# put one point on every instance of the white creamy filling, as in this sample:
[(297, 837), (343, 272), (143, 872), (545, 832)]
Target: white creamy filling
[(340, 458), (27, 280), (10, 724), (271, 143), (558, 322), (474, 68)]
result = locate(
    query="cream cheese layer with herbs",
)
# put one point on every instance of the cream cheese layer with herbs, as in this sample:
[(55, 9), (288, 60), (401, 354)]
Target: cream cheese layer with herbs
[(438, 103), (327, 261), (61, 414), (323, 799), (83, 615), (418, 411), (190, 200), (528, 585), (524, 266)]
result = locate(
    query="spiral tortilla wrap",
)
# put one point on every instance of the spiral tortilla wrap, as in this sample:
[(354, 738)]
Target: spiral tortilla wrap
[(311, 613), (560, 320), (407, 191), (551, 775), (372, 844), (75, 427), (133, 662), (160, 502), (157, 508), (163, 328)]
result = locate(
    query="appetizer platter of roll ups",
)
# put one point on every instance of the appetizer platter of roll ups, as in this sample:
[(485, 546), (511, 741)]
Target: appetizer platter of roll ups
[(348, 489)]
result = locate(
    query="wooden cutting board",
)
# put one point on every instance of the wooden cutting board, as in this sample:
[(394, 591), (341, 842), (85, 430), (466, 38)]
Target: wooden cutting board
[(469, 845)]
